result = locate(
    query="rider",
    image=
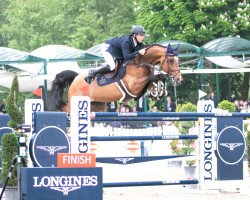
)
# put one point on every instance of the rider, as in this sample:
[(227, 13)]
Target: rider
[(123, 48)]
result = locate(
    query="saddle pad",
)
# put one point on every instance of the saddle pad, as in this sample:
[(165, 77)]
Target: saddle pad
[(102, 80)]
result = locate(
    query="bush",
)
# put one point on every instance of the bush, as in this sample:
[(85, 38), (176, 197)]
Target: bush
[(11, 105), (187, 146), (9, 151), (227, 105)]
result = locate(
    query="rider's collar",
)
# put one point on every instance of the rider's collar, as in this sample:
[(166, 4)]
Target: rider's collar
[(135, 42)]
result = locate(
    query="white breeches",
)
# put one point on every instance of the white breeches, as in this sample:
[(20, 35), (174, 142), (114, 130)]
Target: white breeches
[(109, 59)]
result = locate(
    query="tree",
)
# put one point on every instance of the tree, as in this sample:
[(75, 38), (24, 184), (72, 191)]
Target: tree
[(100, 20), (3, 6), (12, 106), (77, 23), (245, 86), (195, 21)]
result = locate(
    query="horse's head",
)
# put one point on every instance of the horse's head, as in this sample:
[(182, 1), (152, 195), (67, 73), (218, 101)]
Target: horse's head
[(170, 64)]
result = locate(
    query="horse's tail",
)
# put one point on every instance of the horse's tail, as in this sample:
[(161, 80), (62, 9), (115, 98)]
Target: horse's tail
[(62, 80)]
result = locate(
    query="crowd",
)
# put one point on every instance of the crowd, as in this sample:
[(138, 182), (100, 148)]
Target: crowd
[(242, 105)]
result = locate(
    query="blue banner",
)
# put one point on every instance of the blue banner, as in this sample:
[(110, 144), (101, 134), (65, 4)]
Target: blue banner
[(61, 183)]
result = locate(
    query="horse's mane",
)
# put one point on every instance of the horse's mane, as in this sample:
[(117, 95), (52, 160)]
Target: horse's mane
[(154, 44), (148, 46)]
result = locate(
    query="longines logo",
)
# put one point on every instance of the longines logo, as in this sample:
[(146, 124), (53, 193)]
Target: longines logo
[(51, 149), (46, 144), (64, 184), (124, 160), (231, 145)]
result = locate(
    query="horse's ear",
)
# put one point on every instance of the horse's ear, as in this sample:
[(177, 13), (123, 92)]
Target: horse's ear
[(169, 48), (172, 51), (177, 47)]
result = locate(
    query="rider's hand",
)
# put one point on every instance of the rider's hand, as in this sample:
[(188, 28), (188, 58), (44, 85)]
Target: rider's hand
[(142, 51)]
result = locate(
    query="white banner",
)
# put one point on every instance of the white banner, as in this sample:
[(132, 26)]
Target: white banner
[(207, 132), (79, 124), (32, 106)]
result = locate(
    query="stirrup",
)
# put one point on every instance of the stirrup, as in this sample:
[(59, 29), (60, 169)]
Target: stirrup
[(89, 79)]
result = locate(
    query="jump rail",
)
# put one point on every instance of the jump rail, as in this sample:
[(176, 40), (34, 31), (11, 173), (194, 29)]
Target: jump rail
[(150, 183), (156, 137), (120, 116)]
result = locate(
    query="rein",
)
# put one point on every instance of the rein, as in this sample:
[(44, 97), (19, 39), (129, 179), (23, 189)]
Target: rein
[(169, 66)]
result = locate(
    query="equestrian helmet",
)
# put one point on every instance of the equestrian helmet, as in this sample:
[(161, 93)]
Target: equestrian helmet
[(138, 30)]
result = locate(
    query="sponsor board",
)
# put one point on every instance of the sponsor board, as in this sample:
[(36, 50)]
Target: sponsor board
[(207, 144), (61, 183), (79, 124), (46, 144), (31, 107), (231, 148), (231, 145)]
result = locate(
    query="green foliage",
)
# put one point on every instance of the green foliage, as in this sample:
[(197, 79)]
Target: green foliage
[(9, 151), (194, 21), (227, 105), (12, 106), (187, 91), (190, 162), (187, 146), (235, 80), (187, 107), (88, 22)]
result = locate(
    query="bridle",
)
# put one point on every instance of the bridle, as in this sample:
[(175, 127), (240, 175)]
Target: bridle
[(170, 71)]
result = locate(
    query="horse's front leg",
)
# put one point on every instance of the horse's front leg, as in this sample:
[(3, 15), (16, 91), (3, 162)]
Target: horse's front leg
[(157, 86)]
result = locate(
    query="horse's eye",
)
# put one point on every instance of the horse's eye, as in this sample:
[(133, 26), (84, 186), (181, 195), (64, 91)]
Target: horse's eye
[(171, 61)]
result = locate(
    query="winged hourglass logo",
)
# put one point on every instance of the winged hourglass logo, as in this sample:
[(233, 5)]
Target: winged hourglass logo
[(231, 146), (51, 149)]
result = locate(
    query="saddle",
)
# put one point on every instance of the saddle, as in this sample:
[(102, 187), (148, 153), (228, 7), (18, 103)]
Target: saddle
[(111, 77)]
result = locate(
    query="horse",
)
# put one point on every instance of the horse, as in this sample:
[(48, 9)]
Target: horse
[(139, 75)]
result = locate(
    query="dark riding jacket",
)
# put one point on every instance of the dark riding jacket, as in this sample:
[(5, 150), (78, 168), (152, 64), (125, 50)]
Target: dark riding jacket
[(124, 47)]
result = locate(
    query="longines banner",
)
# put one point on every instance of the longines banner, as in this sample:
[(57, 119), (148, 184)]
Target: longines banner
[(79, 124), (61, 183), (49, 138), (231, 147), (31, 107), (207, 144)]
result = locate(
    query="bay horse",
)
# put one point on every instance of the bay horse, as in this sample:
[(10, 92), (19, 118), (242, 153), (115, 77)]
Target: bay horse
[(138, 76)]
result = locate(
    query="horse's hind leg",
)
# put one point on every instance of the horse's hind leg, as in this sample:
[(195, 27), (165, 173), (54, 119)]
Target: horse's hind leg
[(97, 106)]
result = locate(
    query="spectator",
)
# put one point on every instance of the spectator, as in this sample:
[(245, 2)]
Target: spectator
[(3, 107), (242, 105), (170, 107), (140, 105), (112, 106), (236, 103), (214, 99)]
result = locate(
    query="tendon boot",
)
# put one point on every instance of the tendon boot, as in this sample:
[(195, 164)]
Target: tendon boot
[(93, 73)]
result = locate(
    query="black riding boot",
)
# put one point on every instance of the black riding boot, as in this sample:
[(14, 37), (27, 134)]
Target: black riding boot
[(93, 73)]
